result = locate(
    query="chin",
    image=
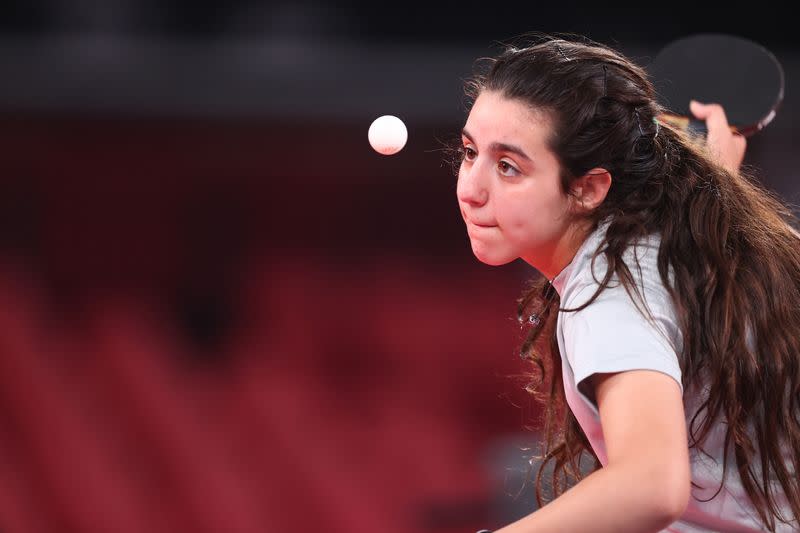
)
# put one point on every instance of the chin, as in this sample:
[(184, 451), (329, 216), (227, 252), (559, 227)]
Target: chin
[(487, 258)]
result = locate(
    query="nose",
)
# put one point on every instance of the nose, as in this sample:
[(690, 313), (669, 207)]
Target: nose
[(471, 188)]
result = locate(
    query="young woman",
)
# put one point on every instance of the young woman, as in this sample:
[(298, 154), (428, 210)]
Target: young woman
[(670, 296)]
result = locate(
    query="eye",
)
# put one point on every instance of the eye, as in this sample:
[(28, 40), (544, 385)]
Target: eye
[(468, 153), (507, 169)]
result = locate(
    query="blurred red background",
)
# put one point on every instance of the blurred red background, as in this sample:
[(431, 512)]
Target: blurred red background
[(207, 326)]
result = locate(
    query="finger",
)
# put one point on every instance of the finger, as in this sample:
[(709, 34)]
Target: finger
[(713, 114), (699, 109), (740, 143)]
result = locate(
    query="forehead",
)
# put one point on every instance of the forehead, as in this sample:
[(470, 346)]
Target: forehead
[(495, 118)]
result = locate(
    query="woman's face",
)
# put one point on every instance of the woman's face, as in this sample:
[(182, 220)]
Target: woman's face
[(509, 186)]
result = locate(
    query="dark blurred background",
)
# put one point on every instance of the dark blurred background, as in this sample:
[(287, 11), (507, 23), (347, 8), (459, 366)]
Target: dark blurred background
[(220, 310)]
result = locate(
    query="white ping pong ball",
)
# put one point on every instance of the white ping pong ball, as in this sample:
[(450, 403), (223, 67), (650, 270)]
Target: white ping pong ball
[(387, 135)]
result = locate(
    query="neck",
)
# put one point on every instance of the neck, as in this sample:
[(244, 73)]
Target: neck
[(562, 253)]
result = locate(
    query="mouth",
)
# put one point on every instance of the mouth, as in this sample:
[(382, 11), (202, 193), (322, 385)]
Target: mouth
[(471, 222), (478, 225)]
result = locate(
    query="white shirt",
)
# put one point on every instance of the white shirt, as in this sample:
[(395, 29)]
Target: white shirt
[(612, 335)]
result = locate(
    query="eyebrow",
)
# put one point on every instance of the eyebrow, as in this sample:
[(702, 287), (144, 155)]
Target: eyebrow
[(500, 147)]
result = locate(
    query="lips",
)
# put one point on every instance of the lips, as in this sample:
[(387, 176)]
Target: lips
[(476, 223), (481, 224)]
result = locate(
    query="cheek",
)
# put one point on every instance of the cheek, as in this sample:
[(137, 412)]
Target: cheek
[(538, 215), (459, 181), (520, 209)]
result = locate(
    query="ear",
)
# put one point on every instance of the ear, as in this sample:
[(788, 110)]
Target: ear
[(591, 189)]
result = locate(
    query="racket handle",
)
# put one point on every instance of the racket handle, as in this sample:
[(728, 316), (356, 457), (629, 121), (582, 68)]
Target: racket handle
[(692, 125), (697, 128)]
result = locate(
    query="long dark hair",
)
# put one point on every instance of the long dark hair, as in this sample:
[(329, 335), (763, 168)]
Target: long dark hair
[(729, 259)]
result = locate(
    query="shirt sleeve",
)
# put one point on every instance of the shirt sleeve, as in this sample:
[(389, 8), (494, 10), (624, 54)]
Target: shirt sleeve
[(612, 334)]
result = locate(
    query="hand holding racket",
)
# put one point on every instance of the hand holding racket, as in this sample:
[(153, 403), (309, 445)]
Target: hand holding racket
[(740, 75), (728, 145)]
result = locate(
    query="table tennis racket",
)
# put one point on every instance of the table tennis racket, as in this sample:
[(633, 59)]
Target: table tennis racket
[(737, 73)]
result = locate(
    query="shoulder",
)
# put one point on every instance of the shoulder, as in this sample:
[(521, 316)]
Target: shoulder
[(640, 259), (619, 322)]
